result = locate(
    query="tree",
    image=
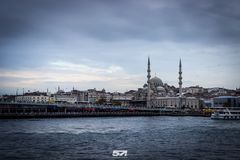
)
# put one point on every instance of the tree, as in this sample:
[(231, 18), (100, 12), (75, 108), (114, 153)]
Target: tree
[(101, 101)]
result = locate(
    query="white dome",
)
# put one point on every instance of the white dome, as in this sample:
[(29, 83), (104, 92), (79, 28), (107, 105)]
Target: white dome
[(145, 85), (156, 81), (151, 91), (160, 88)]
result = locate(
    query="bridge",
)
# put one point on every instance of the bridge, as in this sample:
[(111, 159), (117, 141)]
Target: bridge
[(32, 110)]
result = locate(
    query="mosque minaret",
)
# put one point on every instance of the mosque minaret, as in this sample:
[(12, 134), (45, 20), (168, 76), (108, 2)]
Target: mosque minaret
[(180, 78), (148, 83), (180, 84)]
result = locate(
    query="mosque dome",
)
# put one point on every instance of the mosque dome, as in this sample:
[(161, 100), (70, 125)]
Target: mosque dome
[(145, 85), (145, 88), (161, 89), (151, 91), (156, 81)]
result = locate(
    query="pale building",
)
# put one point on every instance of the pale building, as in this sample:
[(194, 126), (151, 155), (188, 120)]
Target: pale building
[(74, 96), (82, 96), (108, 97), (226, 101), (65, 98), (34, 97), (174, 102), (194, 90)]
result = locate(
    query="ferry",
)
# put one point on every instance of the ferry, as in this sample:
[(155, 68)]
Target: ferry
[(226, 114)]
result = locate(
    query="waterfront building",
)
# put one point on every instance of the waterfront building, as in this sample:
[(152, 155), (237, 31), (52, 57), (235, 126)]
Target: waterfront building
[(208, 103), (237, 91), (7, 98), (123, 99), (34, 97), (65, 98), (140, 94), (74, 96), (108, 97), (117, 95), (88, 96), (94, 95), (174, 102), (217, 91), (226, 101), (194, 90), (82, 96), (101, 95)]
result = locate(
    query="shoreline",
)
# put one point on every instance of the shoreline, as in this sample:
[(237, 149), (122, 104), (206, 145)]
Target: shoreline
[(95, 114), (20, 110)]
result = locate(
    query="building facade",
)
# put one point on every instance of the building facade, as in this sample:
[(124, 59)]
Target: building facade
[(226, 101), (174, 102), (34, 97)]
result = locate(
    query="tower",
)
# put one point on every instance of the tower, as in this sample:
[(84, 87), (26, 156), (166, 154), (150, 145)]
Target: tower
[(148, 82), (180, 83)]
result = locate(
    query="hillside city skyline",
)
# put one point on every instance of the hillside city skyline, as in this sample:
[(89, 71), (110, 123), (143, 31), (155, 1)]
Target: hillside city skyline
[(19, 91)]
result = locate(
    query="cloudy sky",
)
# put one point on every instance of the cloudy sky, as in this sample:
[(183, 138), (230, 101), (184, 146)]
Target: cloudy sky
[(105, 43)]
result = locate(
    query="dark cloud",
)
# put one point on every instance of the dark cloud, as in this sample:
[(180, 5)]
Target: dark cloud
[(207, 20), (219, 17), (32, 29)]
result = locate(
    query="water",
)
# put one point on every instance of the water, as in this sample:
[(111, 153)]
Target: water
[(143, 137)]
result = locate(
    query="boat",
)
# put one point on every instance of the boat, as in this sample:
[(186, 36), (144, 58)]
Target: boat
[(226, 114)]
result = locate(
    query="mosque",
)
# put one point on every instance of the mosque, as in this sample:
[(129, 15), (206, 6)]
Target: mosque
[(158, 94)]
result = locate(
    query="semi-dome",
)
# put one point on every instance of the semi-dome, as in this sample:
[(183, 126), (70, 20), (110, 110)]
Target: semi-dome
[(145, 85), (156, 81), (161, 89)]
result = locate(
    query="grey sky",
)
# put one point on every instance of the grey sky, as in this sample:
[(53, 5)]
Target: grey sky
[(105, 43)]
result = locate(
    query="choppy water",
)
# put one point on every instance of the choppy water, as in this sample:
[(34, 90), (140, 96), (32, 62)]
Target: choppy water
[(143, 137)]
